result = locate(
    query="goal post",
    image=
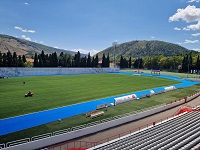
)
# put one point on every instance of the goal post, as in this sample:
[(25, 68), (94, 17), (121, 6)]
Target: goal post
[(155, 70)]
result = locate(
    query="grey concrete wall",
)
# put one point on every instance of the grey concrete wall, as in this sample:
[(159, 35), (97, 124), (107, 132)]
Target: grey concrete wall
[(16, 72)]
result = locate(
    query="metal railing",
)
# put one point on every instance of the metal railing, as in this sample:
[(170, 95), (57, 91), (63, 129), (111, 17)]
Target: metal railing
[(61, 131), (2, 146), (42, 136), (17, 142)]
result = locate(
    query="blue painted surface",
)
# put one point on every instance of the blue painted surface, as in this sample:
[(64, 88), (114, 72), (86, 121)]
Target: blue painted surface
[(18, 123)]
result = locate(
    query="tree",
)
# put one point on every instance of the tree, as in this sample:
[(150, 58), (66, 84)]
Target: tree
[(9, 59), (96, 61), (190, 63), (35, 63), (198, 64), (121, 62), (108, 61), (141, 63), (147, 62), (20, 62), (14, 60), (89, 60), (40, 64), (69, 60), (42, 60), (103, 60), (136, 63), (185, 63), (162, 63), (129, 63), (77, 59), (4, 60), (62, 61), (155, 62), (23, 58), (83, 62), (93, 62), (54, 60), (73, 64), (125, 63), (28, 64), (48, 60), (1, 60)]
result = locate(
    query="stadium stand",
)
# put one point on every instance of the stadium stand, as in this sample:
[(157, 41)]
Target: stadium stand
[(179, 132)]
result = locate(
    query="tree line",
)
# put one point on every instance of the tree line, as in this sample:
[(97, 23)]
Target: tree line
[(185, 63), (53, 60), (12, 60), (124, 63), (67, 60)]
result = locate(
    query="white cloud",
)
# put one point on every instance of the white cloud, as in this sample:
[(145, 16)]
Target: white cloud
[(194, 26), (190, 1), (30, 31), (26, 3), (24, 30), (189, 14), (179, 43), (92, 52), (195, 34), (176, 28), (196, 49), (191, 41), (40, 42), (18, 28), (26, 38), (152, 37), (186, 29), (56, 47)]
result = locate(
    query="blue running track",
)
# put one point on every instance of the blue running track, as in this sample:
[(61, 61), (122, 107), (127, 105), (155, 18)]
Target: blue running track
[(18, 123)]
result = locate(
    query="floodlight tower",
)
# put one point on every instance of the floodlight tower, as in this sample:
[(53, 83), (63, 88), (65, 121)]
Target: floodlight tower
[(188, 67), (114, 44)]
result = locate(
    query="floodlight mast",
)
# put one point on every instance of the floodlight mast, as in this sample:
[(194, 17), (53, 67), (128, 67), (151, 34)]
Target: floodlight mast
[(114, 44)]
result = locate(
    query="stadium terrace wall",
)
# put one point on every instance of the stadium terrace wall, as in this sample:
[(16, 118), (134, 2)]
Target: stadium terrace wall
[(96, 128), (16, 72)]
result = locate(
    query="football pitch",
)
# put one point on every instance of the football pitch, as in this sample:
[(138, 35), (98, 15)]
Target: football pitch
[(57, 91)]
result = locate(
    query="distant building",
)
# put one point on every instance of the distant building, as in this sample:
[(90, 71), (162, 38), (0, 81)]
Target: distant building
[(30, 60)]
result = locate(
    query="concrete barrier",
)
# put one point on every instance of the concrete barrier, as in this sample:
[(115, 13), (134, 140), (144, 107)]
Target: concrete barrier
[(16, 72)]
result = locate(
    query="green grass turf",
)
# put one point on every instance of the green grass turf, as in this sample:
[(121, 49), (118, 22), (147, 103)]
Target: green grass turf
[(181, 75), (56, 91), (123, 108)]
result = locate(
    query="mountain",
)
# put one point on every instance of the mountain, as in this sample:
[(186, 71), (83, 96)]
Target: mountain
[(145, 48), (27, 48)]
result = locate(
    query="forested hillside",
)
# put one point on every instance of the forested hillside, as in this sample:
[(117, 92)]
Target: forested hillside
[(142, 49), (27, 48)]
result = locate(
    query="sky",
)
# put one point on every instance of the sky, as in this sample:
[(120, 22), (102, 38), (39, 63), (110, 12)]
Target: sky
[(93, 25)]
